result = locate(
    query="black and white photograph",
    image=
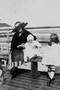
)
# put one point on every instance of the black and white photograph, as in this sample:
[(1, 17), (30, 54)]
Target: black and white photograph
[(29, 44)]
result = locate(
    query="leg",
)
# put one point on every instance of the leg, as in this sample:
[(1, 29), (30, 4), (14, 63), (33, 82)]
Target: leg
[(2, 79), (34, 70), (25, 55), (51, 73), (13, 59), (9, 62), (13, 70), (17, 55)]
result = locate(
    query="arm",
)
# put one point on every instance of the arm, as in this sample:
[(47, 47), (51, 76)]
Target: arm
[(37, 44), (14, 42), (22, 45)]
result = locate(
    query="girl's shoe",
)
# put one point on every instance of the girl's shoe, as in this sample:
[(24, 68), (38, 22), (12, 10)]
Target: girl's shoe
[(50, 80)]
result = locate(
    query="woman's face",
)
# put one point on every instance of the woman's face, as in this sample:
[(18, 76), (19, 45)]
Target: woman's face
[(20, 30)]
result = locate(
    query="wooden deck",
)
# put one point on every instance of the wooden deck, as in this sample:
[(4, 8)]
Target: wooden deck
[(24, 82)]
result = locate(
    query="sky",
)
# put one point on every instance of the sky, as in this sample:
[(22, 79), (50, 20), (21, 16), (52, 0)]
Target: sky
[(36, 12)]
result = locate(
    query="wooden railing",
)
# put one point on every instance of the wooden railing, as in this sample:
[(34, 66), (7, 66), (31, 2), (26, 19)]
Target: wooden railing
[(42, 33)]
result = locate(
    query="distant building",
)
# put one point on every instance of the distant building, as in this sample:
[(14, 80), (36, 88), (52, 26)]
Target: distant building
[(4, 25)]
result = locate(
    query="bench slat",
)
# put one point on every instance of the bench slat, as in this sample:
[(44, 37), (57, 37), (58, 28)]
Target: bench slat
[(37, 59)]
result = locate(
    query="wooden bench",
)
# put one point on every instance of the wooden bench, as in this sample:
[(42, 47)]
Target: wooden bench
[(4, 58)]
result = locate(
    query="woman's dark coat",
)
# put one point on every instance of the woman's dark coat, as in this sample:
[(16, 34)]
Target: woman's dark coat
[(16, 40), (17, 53)]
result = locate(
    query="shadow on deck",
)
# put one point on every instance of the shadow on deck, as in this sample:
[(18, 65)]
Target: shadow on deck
[(24, 82)]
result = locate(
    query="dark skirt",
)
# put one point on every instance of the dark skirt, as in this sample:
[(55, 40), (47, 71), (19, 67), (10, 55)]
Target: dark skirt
[(17, 55)]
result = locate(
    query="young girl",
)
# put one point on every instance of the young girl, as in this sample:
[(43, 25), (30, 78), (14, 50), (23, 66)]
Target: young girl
[(51, 57), (31, 48)]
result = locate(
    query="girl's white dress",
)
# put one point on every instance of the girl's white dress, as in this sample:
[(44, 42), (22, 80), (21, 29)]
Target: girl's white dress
[(52, 55), (31, 50)]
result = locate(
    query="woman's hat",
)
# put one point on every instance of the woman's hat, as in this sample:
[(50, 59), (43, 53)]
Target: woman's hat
[(19, 25)]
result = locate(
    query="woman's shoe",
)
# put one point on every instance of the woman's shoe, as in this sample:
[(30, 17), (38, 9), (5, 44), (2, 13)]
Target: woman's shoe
[(13, 72)]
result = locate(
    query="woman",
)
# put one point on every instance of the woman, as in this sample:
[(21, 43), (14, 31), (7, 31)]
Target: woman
[(19, 38)]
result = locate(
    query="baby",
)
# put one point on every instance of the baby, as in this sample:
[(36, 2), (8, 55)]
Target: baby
[(31, 48)]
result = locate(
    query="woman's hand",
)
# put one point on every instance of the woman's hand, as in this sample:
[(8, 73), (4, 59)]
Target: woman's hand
[(22, 45)]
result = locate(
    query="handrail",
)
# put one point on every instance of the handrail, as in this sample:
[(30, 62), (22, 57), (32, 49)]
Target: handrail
[(42, 27)]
